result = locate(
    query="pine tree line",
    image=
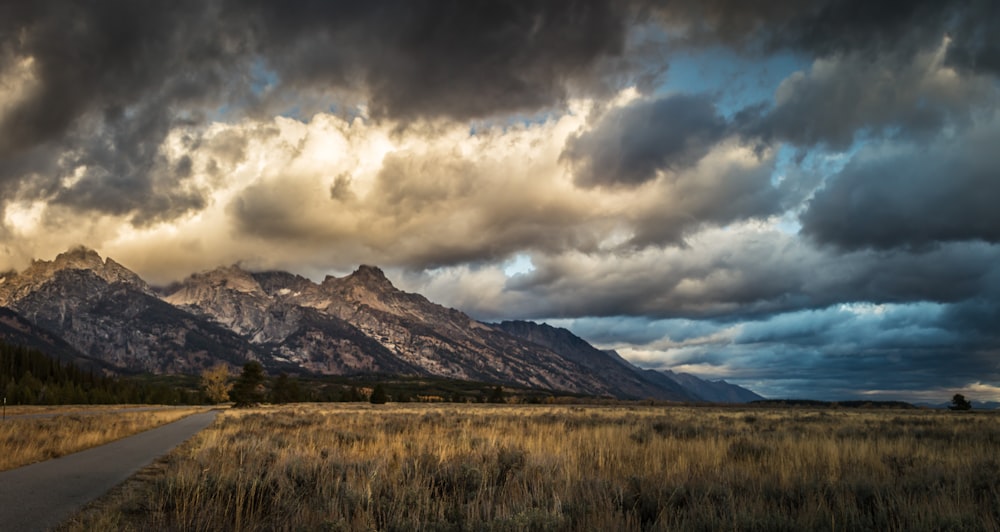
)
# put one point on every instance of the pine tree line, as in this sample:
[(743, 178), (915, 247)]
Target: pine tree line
[(30, 377)]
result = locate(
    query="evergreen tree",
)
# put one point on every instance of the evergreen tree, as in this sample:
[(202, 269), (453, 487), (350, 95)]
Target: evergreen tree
[(28, 376), (379, 396), (960, 403), (351, 395), (285, 389), (497, 395), (249, 387)]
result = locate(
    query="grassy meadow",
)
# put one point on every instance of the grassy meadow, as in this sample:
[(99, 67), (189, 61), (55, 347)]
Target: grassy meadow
[(498, 467), (70, 429)]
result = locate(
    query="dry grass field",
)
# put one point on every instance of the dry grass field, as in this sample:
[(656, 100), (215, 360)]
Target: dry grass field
[(27, 440), (39, 410), (484, 467)]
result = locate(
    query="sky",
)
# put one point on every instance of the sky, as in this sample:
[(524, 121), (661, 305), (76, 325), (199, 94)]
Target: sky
[(798, 197)]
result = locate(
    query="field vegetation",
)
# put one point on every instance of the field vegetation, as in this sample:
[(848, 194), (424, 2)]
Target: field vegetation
[(528, 467), (25, 440)]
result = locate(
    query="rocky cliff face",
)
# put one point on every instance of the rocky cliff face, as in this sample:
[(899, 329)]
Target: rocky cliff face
[(276, 311), (16, 330)]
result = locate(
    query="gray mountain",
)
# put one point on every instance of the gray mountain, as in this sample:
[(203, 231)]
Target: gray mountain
[(361, 323), (616, 372), (712, 391), (108, 313), (303, 336)]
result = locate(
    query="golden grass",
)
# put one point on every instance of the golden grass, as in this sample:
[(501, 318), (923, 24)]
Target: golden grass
[(27, 440), (481, 467), (23, 410)]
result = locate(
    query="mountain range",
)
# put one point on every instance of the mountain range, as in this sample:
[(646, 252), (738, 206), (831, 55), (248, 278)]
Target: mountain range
[(82, 307)]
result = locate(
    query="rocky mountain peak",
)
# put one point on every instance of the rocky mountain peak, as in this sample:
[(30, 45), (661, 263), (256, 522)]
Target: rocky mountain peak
[(80, 258), (283, 283), (200, 287), (232, 277), (369, 278)]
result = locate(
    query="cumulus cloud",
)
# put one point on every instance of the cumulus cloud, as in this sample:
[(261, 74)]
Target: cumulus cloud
[(730, 184), (632, 144), (907, 194), (339, 192), (91, 92), (416, 199), (743, 271), (913, 351), (845, 95), (107, 83)]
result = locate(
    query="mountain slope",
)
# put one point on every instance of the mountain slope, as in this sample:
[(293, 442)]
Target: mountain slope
[(362, 323), (616, 372), (108, 313), (712, 391), (447, 342), (16, 330)]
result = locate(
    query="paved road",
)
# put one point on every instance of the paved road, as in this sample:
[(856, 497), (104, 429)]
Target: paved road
[(43, 495)]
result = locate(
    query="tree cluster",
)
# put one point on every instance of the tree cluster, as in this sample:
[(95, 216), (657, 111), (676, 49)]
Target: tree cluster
[(30, 377), (252, 386)]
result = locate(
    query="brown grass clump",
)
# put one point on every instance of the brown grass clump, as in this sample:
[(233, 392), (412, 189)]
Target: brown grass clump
[(28, 440), (479, 467)]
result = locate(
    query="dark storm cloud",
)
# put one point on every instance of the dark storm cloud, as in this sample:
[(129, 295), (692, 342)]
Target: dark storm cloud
[(125, 171), (978, 317), (901, 348), (716, 196), (630, 145), (747, 276), (111, 79), (875, 69), (906, 351), (976, 46), (449, 59), (912, 195), (830, 27), (907, 96)]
